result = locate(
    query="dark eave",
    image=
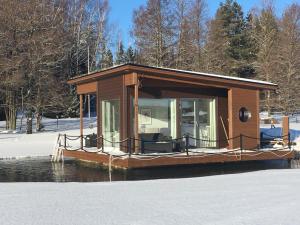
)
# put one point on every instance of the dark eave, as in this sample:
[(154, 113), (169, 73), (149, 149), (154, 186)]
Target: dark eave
[(226, 81)]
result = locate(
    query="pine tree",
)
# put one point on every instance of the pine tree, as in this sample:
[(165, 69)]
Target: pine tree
[(108, 59), (130, 55), (121, 55), (229, 48)]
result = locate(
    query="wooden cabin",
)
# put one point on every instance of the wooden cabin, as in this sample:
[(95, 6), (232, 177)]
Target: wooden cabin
[(164, 110)]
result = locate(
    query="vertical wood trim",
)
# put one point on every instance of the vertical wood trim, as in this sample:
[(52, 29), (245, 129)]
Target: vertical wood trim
[(99, 100), (217, 115), (129, 107), (230, 118), (196, 118), (81, 119), (136, 114), (98, 117), (258, 117), (178, 118), (124, 112), (285, 128)]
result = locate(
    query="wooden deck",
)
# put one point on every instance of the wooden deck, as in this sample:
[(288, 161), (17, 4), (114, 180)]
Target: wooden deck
[(142, 161)]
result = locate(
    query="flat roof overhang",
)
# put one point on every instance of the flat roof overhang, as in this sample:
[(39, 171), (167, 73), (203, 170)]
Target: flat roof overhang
[(181, 76)]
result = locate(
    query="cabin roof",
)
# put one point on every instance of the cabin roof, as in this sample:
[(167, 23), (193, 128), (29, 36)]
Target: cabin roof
[(129, 67)]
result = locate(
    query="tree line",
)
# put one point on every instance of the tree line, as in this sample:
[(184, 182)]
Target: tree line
[(255, 45), (43, 43)]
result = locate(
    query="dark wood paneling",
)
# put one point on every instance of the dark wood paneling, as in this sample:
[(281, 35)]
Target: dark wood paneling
[(238, 98), (87, 88), (222, 115), (110, 89), (160, 89)]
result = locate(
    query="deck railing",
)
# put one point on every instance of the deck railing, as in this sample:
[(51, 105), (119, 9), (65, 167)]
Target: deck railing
[(174, 146)]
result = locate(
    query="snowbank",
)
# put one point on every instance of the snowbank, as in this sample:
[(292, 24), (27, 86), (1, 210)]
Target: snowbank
[(19, 144), (268, 197)]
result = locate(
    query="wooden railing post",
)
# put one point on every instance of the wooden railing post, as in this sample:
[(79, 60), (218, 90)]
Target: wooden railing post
[(187, 144), (81, 120), (65, 141), (129, 146), (261, 140), (285, 129), (136, 114), (289, 141), (241, 144)]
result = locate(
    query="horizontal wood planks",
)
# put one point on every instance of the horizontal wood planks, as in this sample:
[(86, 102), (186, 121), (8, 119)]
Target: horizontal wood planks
[(87, 88), (148, 161)]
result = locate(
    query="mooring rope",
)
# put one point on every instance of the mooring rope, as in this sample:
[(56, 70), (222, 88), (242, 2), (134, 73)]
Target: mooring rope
[(238, 153)]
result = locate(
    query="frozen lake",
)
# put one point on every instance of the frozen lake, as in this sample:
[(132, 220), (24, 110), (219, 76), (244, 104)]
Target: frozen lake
[(42, 170)]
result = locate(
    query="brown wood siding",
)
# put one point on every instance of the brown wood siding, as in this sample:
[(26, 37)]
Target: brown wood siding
[(130, 79), (238, 98), (87, 88), (145, 161), (111, 89)]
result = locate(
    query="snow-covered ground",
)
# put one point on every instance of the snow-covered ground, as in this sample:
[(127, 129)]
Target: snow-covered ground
[(18, 144), (269, 197), (293, 126)]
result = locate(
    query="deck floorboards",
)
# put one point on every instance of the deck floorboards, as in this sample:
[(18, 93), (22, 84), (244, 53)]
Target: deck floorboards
[(142, 161)]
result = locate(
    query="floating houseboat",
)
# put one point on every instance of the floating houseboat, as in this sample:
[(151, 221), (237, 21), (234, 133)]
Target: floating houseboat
[(152, 116)]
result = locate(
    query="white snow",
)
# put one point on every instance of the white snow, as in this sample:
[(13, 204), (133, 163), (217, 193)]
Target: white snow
[(269, 197), (293, 126), (297, 146), (19, 144)]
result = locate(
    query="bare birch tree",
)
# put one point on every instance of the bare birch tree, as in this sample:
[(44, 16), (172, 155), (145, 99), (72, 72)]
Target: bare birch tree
[(153, 32), (266, 36), (288, 60)]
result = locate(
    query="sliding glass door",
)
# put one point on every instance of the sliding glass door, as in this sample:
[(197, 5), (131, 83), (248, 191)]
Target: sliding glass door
[(157, 116), (111, 122), (198, 120)]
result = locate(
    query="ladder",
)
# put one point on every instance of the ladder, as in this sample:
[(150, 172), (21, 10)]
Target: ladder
[(57, 154)]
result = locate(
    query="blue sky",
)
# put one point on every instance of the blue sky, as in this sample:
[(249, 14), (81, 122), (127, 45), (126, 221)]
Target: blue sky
[(121, 11)]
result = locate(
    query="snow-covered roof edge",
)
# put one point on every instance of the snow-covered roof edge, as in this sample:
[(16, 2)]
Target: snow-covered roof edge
[(217, 75), (227, 77)]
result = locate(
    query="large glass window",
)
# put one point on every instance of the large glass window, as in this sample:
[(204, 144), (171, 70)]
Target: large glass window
[(198, 118), (157, 117), (111, 122)]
